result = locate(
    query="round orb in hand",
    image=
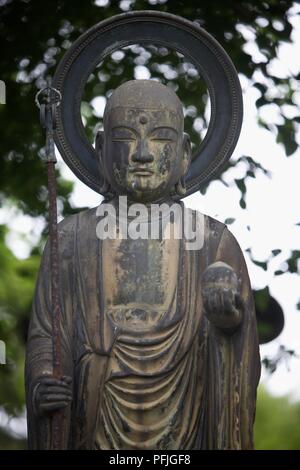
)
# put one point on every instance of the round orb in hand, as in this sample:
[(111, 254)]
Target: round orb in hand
[(220, 275), (220, 293)]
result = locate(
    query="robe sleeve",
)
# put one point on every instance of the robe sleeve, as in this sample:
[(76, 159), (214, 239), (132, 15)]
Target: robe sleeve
[(39, 342), (233, 365)]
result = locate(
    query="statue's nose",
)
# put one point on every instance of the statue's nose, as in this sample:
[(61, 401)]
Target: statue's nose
[(142, 155)]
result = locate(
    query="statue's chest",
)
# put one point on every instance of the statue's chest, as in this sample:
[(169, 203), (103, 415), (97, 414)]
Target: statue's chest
[(139, 277)]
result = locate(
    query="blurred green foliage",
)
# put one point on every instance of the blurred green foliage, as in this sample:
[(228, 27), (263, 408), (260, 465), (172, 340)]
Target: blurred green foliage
[(17, 279), (34, 35), (277, 422)]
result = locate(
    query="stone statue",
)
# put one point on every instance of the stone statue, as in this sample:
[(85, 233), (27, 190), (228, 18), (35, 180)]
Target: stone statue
[(159, 342)]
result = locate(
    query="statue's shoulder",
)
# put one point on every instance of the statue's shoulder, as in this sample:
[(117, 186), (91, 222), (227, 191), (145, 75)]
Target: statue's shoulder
[(83, 220), (74, 230), (218, 235), (222, 233), (213, 225)]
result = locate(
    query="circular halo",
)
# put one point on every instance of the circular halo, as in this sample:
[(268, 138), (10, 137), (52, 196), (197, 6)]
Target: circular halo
[(144, 27)]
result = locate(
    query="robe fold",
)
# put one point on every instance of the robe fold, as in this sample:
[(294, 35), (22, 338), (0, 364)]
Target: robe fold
[(181, 384)]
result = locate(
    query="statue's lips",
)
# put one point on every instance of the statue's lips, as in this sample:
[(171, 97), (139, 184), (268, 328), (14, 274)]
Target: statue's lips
[(140, 171)]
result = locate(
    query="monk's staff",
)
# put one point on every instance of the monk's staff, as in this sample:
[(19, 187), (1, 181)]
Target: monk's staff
[(47, 100)]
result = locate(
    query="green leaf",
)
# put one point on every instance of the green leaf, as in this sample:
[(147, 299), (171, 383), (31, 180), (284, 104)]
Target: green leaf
[(242, 203), (276, 252), (286, 136), (261, 264), (229, 221)]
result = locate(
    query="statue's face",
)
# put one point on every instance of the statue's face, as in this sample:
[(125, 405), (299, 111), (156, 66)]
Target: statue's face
[(142, 152)]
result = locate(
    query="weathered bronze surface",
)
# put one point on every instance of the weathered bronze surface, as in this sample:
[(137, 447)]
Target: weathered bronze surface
[(159, 343)]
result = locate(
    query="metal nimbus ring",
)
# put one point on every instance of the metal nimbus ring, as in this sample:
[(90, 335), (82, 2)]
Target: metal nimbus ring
[(149, 27)]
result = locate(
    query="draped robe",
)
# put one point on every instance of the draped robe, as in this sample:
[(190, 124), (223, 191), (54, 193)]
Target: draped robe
[(180, 383)]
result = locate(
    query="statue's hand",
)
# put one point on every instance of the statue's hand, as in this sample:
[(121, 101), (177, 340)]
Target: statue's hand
[(223, 305), (52, 394)]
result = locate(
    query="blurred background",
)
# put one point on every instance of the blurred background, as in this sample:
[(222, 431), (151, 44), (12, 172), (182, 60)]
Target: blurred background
[(257, 195)]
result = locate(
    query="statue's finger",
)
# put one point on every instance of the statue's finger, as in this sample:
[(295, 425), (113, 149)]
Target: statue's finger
[(53, 406), (210, 302), (217, 302), (67, 378), (239, 302), (53, 381), (229, 307), (49, 380), (206, 303), (227, 299), (55, 389), (52, 397)]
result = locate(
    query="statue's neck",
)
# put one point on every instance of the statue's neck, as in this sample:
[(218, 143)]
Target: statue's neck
[(120, 200), (123, 204)]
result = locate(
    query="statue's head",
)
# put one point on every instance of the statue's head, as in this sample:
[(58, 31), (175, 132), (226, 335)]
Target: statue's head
[(143, 150)]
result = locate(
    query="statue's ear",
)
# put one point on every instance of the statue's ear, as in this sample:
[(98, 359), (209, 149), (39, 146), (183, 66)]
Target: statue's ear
[(186, 154), (105, 187), (99, 144)]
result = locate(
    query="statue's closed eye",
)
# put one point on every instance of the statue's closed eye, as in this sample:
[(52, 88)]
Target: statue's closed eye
[(163, 134), (161, 139), (123, 139), (122, 134)]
